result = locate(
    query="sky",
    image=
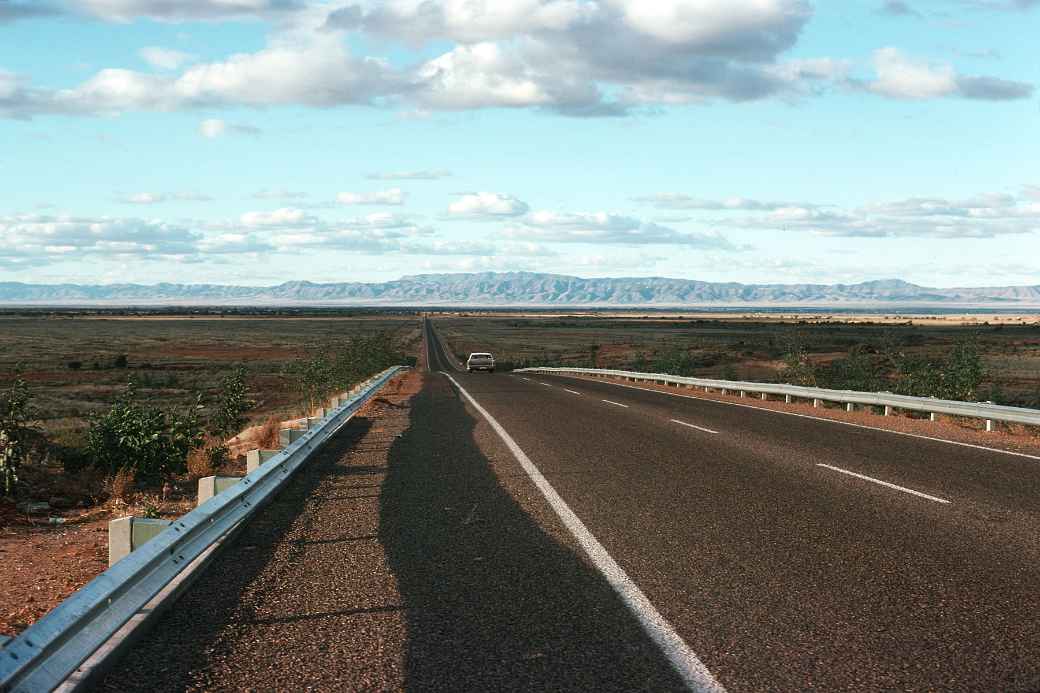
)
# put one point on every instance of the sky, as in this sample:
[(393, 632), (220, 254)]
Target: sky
[(762, 141)]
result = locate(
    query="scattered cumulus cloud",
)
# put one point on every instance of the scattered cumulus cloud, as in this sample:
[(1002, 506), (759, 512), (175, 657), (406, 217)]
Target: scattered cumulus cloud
[(52, 238), (185, 10), (580, 58), (683, 201), (393, 196), (164, 58), (212, 128), (603, 227), (487, 205), (984, 216), (903, 77)]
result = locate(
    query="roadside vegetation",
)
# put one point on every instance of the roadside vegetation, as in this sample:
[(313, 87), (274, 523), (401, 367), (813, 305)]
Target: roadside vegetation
[(167, 423), (971, 362)]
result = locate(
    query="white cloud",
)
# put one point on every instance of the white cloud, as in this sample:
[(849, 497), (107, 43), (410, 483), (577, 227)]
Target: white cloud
[(184, 10), (286, 217), (487, 205), (683, 201), (903, 77), (164, 58), (574, 57), (47, 237), (212, 128), (603, 227), (984, 216), (393, 196)]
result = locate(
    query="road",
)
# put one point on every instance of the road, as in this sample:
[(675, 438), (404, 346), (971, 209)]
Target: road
[(511, 532), (780, 570)]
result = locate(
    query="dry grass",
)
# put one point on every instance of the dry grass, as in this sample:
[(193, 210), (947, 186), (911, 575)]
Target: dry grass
[(267, 438), (120, 486)]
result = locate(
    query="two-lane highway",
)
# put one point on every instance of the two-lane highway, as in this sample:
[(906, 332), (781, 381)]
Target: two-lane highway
[(790, 553)]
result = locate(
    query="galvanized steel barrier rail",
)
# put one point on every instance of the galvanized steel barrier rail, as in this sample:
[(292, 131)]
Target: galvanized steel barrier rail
[(975, 410), (42, 656)]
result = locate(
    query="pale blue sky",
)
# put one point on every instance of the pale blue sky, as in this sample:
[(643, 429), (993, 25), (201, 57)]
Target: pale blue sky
[(260, 141)]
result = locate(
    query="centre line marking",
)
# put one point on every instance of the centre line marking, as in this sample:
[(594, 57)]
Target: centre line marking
[(884, 483), (685, 662), (699, 428), (573, 392), (616, 404)]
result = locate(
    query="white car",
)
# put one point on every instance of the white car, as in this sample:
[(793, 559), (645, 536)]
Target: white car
[(480, 361)]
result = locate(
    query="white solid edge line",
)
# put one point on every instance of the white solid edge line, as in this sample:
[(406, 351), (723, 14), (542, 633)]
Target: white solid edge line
[(616, 404), (814, 418), (679, 654), (699, 428), (884, 483), (573, 392)]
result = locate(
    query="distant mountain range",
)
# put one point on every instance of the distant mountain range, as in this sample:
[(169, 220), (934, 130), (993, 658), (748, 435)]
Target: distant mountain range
[(523, 289)]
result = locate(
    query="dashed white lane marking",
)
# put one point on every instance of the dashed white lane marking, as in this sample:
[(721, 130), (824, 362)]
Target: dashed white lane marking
[(546, 384), (690, 425), (884, 483), (814, 418), (682, 658), (526, 379), (573, 392), (616, 404)]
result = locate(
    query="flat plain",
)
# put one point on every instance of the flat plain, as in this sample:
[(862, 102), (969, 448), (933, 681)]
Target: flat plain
[(751, 346), (78, 363)]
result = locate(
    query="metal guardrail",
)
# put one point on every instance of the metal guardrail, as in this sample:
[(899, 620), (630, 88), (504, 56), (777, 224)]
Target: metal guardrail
[(44, 655), (974, 410)]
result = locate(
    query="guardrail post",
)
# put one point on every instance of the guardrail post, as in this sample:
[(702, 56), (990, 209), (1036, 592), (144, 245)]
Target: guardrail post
[(989, 425), (787, 399), (817, 403), (765, 396), (724, 391), (743, 393), (210, 486), (128, 533), (255, 458), (288, 436), (933, 416), (888, 410)]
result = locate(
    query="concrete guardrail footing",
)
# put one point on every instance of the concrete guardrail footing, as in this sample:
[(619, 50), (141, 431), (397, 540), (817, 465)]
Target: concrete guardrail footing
[(128, 533), (255, 458), (210, 486)]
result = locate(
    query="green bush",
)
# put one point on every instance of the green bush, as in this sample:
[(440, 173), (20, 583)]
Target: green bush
[(151, 442), (230, 413), (16, 430)]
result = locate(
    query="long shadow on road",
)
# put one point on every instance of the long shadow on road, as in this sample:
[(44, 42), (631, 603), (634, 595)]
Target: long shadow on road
[(493, 602)]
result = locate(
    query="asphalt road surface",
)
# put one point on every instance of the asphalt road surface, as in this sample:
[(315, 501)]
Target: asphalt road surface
[(551, 533)]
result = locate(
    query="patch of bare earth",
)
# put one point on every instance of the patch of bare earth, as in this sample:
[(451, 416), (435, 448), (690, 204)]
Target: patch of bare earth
[(1010, 437)]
